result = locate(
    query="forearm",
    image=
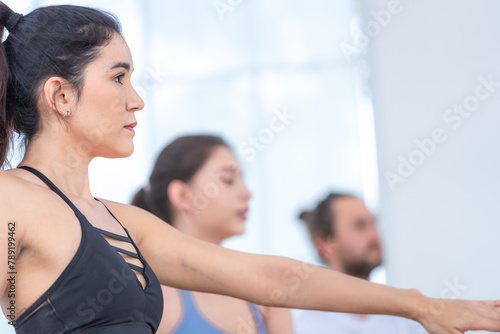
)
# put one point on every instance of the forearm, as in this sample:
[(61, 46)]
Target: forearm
[(295, 284)]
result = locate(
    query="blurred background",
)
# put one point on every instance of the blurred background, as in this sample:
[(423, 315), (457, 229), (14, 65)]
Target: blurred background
[(393, 100)]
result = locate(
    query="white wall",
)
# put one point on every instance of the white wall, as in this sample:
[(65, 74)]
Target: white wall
[(441, 224)]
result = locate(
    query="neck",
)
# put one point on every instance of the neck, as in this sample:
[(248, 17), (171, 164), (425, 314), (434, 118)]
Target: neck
[(61, 163)]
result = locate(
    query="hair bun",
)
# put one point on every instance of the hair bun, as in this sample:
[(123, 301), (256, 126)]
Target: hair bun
[(305, 215)]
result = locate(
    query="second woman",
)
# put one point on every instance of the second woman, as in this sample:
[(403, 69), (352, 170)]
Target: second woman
[(197, 186)]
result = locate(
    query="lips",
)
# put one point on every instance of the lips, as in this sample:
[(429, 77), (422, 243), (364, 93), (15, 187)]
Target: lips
[(242, 214), (131, 127)]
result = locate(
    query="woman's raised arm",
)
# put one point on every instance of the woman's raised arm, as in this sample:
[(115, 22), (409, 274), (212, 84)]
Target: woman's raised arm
[(186, 263)]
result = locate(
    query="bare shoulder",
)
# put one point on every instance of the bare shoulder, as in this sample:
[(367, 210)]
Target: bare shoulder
[(139, 222), (15, 190), (18, 179), (26, 199), (8, 181), (19, 186), (9, 186), (5, 185)]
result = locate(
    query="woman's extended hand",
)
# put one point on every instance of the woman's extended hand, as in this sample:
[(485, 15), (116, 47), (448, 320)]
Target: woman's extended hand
[(446, 316)]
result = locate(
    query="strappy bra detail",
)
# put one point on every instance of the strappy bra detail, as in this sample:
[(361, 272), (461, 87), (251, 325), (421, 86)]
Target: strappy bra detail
[(126, 239), (98, 292)]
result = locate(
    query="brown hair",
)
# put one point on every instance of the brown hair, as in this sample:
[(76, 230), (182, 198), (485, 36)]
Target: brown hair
[(179, 160), (320, 221)]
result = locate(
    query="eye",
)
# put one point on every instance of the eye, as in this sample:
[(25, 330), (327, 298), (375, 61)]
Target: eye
[(119, 78), (228, 181), (360, 225)]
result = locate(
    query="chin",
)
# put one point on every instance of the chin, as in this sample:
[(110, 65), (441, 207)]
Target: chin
[(116, 150), (377, 262), (235, 229), (129, 153), (239, 230), (123, 152)]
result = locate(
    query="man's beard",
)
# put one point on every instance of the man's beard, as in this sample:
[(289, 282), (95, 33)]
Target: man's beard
[(362, 266), (360, 269)]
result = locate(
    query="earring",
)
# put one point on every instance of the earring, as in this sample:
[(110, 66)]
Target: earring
[(67, 114)]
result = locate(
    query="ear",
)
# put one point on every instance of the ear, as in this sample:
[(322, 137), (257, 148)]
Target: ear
[(58, 95), (326, 247), (179, 195)]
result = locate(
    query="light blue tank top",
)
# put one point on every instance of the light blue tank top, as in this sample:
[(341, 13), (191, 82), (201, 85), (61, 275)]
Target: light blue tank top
[(192, 321)]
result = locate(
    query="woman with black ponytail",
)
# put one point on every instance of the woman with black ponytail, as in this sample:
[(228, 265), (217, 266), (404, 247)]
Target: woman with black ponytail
[(70, 263)]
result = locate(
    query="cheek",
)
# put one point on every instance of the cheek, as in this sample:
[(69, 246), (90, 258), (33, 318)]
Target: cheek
[(355, 242), (219, 207), (213, 193), (101, 97), (204, 198)]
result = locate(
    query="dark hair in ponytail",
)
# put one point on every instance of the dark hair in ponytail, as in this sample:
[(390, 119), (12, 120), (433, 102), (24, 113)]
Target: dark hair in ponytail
[(179, 160), (5, 119), (53, 41), (321, 220)]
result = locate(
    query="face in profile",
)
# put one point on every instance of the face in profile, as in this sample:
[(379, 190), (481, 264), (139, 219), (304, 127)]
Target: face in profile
[(218, 197), (103, 118), (356, 239)]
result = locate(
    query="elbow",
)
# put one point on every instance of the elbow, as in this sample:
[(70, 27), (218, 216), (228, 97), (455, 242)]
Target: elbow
[(284, 278)]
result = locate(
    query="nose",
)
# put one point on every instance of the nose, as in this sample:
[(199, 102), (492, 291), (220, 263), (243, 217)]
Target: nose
[(375, 235), (245, 193), (135, 102)]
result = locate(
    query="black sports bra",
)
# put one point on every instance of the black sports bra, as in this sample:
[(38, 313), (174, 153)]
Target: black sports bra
[(97, 292)]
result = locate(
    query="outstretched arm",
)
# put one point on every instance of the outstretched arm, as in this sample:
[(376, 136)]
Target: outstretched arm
[(187, 263)]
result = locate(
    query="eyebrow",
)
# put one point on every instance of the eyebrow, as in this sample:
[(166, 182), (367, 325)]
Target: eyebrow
[(120, 64), (232, 169)]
